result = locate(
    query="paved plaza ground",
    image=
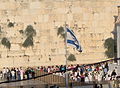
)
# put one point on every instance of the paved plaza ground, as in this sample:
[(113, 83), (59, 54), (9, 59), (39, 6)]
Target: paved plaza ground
[(26, 84)]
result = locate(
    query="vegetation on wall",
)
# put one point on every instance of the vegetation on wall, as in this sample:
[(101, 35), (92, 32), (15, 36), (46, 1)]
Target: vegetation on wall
[(110, 45), (71, 57), (30, 33), (28, 42), (6, 42), (61, 32)]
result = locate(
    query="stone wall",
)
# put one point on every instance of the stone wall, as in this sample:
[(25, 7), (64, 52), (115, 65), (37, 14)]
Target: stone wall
[(91, 20)]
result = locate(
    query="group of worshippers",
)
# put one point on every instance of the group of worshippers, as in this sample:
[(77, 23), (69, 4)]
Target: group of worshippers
[(11, 74), (88, 73), (82, 73)]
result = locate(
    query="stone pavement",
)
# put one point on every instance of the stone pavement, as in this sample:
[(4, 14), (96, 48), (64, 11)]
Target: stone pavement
[(90, 86), (26, 84)]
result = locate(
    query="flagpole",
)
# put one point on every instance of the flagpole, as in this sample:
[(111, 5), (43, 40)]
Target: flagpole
[(66, 55)]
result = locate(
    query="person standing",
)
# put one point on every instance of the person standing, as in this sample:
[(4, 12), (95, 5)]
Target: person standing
[(113, 75), (4, 73), (21, 73), (18, 74), (13, 74)]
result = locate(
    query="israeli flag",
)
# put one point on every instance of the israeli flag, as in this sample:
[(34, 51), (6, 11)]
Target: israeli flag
[(72, 40)]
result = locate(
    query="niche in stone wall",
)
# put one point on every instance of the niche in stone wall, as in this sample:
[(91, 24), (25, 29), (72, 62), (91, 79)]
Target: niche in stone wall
[(53, 50), (10, 24)]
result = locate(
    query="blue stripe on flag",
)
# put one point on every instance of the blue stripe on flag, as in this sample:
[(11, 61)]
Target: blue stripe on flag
[(71, 39), (68, 30), (73, 43)]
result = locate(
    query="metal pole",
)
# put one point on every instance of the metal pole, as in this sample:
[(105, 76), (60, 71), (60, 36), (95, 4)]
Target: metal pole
[(118, 43), (118, 36), (66, 55)]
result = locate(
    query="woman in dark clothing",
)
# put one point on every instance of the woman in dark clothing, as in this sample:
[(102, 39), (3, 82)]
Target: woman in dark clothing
[(113, 75), (82, 78), (33, 73)]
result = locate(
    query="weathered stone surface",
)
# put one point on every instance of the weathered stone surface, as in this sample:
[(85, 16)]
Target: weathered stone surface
[(91, 20)]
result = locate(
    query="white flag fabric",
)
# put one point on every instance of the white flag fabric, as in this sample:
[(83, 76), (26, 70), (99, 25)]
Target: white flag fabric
[(72, 40)]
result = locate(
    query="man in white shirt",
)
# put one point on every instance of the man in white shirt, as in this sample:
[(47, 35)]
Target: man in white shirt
[(4, 73)]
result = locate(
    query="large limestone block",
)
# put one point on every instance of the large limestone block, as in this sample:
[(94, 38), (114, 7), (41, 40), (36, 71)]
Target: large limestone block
[(22, 5), (18, 19), (4, 1), (21, 61), (41, 26), (45, 18), (62, 18), (36, 5), (8, 61), (17, 40), (29, 18), (7, 6), (76, 10), (25, 12), (60, 10), (15, 53), (11, 32), (29, 52), (37, 52), (40, 18), (15, 47), (59, 4), (37, 46), (4, 54)]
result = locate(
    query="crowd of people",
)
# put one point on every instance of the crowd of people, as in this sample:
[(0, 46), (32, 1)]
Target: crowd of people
[(82, 73), (97, 72), (11, 74), (85, 73)]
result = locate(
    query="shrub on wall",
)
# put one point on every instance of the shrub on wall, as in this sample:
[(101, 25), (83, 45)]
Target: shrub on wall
[(28, 42), (6, 42), (30, 33), (61, 32), (71, 57), (110, 47)]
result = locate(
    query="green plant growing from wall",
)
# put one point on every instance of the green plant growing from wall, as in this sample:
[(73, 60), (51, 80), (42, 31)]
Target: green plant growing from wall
[(71, 57), (110, 47), (30, 33), (6, 42), (61, 32), (28, 42)]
